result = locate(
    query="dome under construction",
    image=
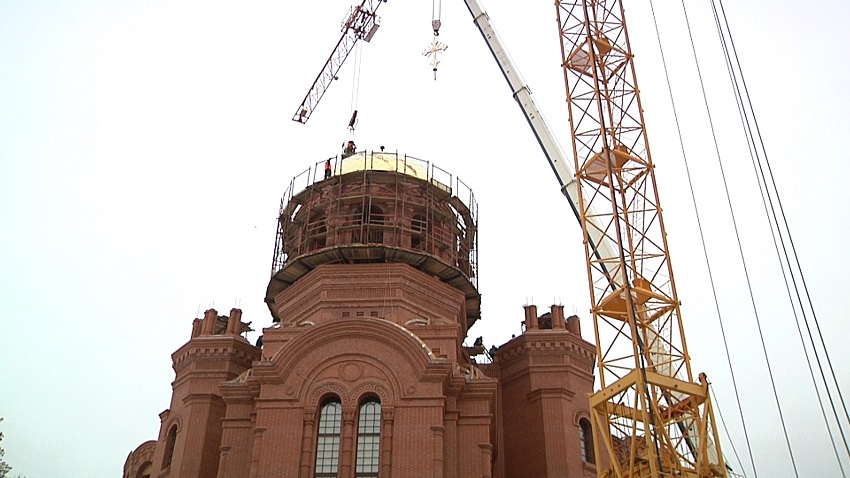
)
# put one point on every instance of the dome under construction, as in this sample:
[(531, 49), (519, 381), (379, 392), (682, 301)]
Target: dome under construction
[(377, 207)]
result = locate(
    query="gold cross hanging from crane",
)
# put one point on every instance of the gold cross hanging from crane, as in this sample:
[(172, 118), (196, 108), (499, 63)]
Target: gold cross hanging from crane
[(432, 51)]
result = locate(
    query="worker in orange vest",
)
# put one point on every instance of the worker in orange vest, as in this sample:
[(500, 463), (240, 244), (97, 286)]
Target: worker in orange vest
[(328, 168)]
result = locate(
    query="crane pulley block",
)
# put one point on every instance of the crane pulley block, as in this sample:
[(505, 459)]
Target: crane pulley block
[(361, 22)]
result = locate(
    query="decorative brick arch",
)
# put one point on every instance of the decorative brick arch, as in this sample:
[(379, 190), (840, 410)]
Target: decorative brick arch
[(579, 414), (324, 391), (142, 455), (372, 389), (173, 421), (340, 356), (405, 342)]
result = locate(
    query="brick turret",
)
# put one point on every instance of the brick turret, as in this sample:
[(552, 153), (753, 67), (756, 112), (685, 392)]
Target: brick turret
[(190, 433)]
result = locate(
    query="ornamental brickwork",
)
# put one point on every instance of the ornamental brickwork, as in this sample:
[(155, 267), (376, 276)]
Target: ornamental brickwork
[(363, 372)]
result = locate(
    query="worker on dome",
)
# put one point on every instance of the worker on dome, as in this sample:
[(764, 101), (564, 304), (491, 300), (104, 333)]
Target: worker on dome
[(349, 149), (328, 168)]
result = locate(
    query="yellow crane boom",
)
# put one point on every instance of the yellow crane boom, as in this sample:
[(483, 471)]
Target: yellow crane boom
[(650, 418)]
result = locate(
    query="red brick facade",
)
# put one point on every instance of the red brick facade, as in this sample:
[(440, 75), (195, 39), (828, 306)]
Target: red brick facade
[(379, 324)]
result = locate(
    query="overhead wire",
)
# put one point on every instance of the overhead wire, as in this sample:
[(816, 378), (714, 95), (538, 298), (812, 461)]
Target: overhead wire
[(790, 239), (726, 429), (741, 251), (702, 238), (767, 199)]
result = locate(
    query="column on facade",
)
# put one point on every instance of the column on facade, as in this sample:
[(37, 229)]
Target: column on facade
[(255, 456), (307, 443), (346, 451), (437, 450), (450, 442), (486, 460), (222, 461), (386, 442)]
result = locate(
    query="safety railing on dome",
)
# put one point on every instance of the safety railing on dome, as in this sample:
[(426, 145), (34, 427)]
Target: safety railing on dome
[(462, 198)]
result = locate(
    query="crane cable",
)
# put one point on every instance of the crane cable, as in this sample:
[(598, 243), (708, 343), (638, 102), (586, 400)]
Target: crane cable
[(436, 13), (702, 239), (768, 201), (355, 87)]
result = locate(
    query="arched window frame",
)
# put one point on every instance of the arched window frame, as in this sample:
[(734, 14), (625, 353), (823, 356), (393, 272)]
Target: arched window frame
[(586, 437), (145, 471), (418, 226), (317, 231), (328, 438), (170, 444), (375, 220), (368, 453), (356, 219)]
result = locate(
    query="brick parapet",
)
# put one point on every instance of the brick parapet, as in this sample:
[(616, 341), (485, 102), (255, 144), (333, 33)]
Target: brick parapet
[(541, 349)]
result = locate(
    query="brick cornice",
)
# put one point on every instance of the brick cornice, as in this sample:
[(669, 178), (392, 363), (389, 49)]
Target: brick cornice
[(541, 393), (233, 348), (202, 398)]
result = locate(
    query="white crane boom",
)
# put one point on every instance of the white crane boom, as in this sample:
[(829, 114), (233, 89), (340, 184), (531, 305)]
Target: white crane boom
[(551, 149)]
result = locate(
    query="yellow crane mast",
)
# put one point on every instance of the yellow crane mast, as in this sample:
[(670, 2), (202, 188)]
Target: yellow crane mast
[(651, 418)]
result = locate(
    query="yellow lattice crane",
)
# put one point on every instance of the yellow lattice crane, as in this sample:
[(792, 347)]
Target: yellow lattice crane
[(652, 417)]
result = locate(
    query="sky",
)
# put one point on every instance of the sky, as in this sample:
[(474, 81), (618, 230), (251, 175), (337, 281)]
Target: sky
[(144, 148)]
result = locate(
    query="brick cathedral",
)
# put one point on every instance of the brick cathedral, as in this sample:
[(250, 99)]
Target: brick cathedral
[(363, 372)]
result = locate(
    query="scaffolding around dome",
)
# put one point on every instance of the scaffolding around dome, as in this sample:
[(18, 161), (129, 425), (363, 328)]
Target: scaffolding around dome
[(378, 207)]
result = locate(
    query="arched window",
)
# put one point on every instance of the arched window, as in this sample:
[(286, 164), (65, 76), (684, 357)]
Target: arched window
[(145, 471), (417, 237), (586, 441), (317, 231), (368, 439), (170, 441), (376, 220), (327, 443), (355, 218)]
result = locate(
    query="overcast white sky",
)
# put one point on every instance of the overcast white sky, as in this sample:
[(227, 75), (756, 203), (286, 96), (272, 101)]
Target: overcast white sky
[(144, 147)]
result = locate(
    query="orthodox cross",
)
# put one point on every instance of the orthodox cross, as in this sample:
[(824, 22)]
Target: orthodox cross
[(432, 51)]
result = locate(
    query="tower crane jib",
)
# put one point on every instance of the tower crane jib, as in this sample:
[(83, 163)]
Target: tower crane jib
[(360, 23)]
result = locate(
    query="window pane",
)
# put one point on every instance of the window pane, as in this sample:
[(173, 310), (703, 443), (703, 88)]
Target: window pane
[(586, 441), (368, 440), (327, 443)]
